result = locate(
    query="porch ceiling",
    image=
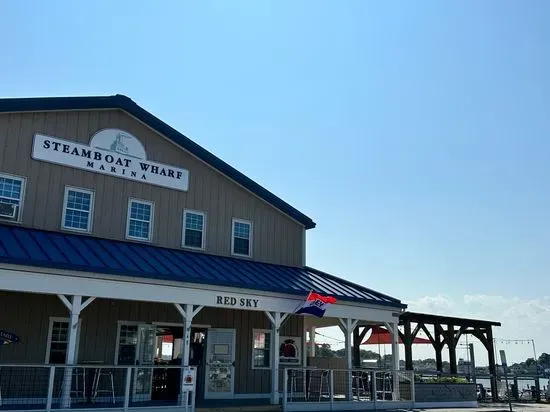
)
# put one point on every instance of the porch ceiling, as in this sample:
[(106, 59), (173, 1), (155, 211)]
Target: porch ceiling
[(38, 248)]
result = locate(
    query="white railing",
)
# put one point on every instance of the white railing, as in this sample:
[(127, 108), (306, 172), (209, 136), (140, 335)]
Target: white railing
[(61, 387), (308, 389)]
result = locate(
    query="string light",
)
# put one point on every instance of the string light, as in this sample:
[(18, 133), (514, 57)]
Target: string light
[(510, 341), (329, 337)]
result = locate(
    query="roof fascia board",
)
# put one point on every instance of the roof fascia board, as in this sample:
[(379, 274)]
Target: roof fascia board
[(31, 280)]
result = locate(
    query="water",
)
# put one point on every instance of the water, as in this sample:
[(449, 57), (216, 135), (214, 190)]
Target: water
[(523, 383)]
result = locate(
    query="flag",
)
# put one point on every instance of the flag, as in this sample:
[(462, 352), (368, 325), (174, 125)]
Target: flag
[(315, 304)]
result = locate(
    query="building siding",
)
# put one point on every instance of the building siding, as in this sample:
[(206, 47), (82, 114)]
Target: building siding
[(28, 316), (276, 237)]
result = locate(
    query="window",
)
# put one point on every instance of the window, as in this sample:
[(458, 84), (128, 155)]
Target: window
[(261, 357), (78, 209), (289, 349), (241, 239), (58, 339), (11, 193), (193, 229), (127, 344), (140, 220)]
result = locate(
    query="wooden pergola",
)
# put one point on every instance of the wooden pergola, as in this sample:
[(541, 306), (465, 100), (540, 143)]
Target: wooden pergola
[(446, 331)]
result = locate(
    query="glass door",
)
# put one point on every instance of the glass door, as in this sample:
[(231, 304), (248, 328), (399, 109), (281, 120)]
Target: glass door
[(220, 364), (145, 353)]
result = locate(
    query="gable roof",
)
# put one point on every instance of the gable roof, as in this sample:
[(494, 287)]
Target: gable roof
[(83, 253), (122, 102)]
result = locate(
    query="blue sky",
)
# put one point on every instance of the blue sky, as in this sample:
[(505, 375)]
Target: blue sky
[(414, 133)]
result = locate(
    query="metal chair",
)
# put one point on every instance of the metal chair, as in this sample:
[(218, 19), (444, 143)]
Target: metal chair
[(323, 382), (96, 388), (359, 379)]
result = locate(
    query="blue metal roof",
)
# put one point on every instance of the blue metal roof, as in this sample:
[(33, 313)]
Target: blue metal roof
[(122, 102), (32, 247)]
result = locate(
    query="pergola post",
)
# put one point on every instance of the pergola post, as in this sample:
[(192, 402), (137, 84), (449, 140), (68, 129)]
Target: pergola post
[(451, 344), (75, 306), (490, 346), (438, 349), (408, 342), (358, 336)]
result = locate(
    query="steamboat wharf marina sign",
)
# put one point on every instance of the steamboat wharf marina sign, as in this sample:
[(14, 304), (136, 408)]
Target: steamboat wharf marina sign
[(112, 152)]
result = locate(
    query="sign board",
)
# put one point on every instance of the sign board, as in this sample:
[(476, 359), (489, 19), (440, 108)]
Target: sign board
[(189, 380), (111, 152), (8, 337), (226, 300)]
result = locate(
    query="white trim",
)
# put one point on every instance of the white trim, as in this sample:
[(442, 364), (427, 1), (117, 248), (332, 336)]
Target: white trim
[(23, 181), (250, 236), (151, 221), (50, 331), (90, 212), (195, 212), (119, 324), (100, 285), (265, 331)]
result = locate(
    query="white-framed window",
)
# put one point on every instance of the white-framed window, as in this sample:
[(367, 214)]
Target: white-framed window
[(78, 209), (58, 340), (290, 349), (194, 224), (12, 195), (241, 238), (126, 347), (139, 225)]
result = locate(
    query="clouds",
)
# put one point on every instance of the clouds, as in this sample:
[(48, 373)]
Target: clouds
[(520, 318)]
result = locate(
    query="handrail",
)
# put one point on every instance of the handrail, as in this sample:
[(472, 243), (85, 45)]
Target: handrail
[(89, 365)]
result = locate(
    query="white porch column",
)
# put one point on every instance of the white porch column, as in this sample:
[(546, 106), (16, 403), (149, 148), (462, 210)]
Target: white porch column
[(187, 312), (76, 306), (276, 319), (312, 341), (393, 328), (347, 326)]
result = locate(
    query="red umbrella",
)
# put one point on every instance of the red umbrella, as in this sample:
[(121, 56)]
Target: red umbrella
[(381, 336)]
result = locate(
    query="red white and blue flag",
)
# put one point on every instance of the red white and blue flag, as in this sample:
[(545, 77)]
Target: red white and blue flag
[(315, 305)]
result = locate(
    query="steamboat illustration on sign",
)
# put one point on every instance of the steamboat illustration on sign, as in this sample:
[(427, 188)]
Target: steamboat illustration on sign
[(118, 145)]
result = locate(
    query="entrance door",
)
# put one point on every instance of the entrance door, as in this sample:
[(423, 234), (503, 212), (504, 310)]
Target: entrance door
[(220, 364), (145, 353)]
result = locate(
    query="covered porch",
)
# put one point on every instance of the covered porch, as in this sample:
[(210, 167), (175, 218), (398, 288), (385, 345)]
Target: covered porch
[(117, 325)]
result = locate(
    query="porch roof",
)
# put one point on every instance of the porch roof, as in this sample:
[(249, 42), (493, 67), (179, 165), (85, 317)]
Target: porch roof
[(39, 248)]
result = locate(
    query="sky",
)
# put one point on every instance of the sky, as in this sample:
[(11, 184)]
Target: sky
[(415, 134)]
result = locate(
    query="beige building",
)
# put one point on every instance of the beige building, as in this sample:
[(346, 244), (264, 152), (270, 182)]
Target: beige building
[(134, 253)]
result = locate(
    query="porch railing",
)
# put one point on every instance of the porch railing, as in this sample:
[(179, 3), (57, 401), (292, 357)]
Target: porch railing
[(61, 387), (329, 389)]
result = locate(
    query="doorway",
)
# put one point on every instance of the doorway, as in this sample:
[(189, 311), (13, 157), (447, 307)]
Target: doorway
[(156, 346), (220, 364)]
